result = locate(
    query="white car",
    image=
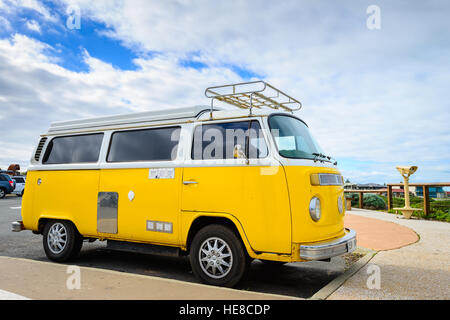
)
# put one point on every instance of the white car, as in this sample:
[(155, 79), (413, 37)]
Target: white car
[(20, 185)]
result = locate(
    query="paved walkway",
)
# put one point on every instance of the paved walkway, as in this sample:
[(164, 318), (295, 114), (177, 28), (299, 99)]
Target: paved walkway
[(379, 234), (420, 270)]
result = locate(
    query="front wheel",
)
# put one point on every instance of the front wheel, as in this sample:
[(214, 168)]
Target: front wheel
[(62, 242), (218, 257)]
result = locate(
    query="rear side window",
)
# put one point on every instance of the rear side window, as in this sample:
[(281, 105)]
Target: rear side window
[(3, 178), (217, 141), (158, 144), (73, 149), (19, 180)]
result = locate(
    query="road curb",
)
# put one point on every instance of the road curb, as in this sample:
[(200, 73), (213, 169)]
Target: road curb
[(326, 291)]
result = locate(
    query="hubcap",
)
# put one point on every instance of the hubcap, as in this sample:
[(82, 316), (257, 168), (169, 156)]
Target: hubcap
[(2, 193), (57, 238), (216, 258)]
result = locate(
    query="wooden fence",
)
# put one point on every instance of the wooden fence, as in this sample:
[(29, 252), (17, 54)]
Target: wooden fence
[(388, 190)]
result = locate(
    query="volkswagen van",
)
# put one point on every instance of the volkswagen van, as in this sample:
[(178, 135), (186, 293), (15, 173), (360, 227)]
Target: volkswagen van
[(219, 185)]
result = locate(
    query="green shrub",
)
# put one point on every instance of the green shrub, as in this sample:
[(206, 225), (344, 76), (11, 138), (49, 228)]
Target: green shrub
[(373, 201), (370, 200)]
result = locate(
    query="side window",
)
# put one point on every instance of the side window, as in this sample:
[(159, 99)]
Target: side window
[(217, 141), (73, 149), (257, 144), (2, 178), (159, 144)]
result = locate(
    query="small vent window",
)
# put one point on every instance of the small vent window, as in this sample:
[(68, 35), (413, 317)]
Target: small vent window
[(37, 155)]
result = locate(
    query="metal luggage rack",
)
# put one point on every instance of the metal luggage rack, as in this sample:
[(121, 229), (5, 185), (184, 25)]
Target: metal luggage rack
[(254, 94)]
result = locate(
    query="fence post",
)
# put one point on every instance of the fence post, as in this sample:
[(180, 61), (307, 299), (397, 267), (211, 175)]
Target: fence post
[(389, 197), (361, 200), (426, 200)]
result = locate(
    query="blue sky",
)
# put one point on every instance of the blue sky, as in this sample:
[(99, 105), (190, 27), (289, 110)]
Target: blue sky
[(374, 98)]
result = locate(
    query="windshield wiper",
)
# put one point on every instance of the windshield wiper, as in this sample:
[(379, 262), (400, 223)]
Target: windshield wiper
[(324, 157)]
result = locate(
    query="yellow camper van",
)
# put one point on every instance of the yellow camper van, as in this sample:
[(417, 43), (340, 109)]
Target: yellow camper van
[(222, 185)]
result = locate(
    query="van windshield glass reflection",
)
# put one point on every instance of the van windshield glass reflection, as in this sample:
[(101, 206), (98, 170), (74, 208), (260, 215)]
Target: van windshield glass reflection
[(293, 138)]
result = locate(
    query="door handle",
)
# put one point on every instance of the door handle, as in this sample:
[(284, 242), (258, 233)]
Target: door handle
[(186, 183)]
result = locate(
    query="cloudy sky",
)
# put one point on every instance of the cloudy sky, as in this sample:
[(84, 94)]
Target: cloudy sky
[(375, 88)]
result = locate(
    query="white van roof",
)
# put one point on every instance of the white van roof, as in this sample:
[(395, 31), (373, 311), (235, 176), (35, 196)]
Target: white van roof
[(137, 118), (176, 115)]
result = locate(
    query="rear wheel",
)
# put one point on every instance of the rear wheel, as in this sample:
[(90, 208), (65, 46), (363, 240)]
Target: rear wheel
[(218, 257), (62, 242), (2, 193)]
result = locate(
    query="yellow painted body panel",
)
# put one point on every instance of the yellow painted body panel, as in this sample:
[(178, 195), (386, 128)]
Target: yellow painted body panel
[(304, 229), (154, 199), (259, 202), (269, 206), (68, 195)]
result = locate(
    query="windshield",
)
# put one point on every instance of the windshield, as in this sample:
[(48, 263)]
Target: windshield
[(293, 138)]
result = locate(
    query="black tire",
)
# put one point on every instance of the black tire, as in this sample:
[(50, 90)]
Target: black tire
[(2, 193), (240, 262), (71, 241)]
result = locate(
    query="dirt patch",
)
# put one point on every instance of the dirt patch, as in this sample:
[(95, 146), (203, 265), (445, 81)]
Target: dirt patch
[(351, 258)]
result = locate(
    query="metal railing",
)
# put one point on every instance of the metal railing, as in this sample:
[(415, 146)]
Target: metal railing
[(254, 94)]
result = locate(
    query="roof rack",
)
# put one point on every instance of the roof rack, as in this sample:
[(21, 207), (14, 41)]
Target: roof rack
[(254, 94)]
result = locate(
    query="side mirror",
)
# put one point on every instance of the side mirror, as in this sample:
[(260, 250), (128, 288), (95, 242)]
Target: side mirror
[(238, 153)]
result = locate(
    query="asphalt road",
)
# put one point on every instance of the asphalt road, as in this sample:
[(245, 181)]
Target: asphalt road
[(294, 279)]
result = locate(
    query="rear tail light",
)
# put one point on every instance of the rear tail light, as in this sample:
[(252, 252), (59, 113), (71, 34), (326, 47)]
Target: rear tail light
[(11, 183)]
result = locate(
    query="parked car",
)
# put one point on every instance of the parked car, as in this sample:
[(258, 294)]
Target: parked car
[(20, 185), (7, 185)]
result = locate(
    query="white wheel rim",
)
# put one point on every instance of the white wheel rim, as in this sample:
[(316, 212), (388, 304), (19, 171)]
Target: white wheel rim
[(57, 238), (215, 257)]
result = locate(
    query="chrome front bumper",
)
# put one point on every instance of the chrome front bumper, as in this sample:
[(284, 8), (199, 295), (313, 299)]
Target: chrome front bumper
[(17, 226), (327, 249)]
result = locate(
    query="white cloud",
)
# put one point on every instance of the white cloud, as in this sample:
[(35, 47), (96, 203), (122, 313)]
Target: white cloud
[(5, 25), (33, 26), (33, 5)]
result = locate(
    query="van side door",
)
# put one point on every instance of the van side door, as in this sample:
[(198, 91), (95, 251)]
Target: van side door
[(253, 191), (140, 185)]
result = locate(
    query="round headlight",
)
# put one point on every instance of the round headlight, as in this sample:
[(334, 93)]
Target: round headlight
[(314, 209), (340, 205)]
